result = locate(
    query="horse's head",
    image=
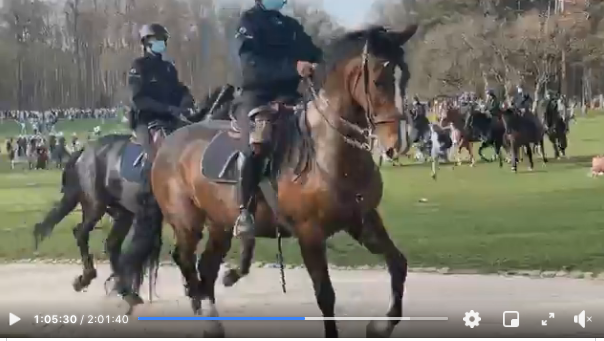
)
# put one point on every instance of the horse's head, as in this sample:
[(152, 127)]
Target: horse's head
[(360, 80)]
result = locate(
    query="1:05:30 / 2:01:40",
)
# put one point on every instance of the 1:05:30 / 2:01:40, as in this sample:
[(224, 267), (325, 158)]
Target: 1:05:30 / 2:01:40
[(82, 319)]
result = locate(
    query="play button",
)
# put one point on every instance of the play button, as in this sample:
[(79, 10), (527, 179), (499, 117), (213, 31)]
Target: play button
[(12, 319)]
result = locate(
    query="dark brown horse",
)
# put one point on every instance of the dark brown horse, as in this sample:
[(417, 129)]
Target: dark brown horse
[(327, 180), (522, 129)]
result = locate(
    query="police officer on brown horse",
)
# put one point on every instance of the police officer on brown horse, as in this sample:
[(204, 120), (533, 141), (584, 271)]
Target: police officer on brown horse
[(275, 53)]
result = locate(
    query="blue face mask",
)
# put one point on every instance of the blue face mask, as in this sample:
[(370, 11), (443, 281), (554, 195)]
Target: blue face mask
[(273, 5), (158, 46)]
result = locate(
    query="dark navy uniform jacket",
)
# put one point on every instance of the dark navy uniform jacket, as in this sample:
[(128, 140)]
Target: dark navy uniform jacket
[(155, 88), (270, 44), (523, 101)]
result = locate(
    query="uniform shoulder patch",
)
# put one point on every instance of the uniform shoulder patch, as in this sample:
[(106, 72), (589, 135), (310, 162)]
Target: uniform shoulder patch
[(243, 32), (133, 71)]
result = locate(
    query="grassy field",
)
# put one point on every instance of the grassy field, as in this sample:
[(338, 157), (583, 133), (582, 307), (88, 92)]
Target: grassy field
[(482, 218)]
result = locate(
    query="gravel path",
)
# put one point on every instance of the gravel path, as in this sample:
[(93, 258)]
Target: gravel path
[(30, 289)]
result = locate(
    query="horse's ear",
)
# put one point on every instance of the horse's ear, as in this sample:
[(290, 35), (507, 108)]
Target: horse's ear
[(401, 37)]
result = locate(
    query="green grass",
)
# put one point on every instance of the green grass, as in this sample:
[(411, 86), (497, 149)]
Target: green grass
[(482, 218)]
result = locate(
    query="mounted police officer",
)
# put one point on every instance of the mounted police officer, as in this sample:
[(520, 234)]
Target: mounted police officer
[(275, 53), (419, 109), (157, 94), (493, 105), (522, 101)]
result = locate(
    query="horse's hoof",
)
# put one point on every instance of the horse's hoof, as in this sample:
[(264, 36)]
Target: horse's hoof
[(196, 306), (214, 329), (230, 278), (109, 288), (530, 169), (77, 284), (132, 300), (381, 329)]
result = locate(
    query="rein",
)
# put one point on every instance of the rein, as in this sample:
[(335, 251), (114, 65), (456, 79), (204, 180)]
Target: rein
[(367, 134)]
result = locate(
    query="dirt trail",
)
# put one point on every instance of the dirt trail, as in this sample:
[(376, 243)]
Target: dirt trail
[(30, 289)]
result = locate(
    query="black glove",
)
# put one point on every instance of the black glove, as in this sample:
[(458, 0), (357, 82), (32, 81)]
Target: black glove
[(176, 112), (181, 114)]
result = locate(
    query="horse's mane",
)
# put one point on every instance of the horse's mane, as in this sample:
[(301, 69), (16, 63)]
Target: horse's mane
[(110, 138), (206, 104)]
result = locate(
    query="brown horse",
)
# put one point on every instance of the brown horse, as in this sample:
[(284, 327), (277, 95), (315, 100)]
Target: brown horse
[(327, 180), (462, 138)]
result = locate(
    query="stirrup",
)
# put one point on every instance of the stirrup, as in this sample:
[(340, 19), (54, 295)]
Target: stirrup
[(249, 226)]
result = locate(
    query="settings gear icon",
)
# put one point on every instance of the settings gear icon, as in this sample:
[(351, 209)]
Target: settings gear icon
[(472, 319)]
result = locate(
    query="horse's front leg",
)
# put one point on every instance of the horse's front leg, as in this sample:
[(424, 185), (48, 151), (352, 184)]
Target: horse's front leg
[(208, 266), (514, 148), (372, 234), (313, 249), (232, 276)]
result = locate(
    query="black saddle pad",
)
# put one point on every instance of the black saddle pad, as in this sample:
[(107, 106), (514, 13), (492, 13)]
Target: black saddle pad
[(130, 164), (219, 161)]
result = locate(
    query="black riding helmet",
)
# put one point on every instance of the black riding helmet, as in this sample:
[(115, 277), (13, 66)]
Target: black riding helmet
[(153, 30)]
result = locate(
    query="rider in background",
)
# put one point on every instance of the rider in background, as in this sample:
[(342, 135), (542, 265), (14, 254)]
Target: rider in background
[(493, 105), (522, 101), (275, 53), (157, 94)]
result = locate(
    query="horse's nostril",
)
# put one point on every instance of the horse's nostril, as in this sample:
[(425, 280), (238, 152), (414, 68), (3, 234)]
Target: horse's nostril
[(390, 153)]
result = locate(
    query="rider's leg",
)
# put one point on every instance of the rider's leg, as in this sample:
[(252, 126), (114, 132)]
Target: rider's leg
[(251, 167), (144, 138)]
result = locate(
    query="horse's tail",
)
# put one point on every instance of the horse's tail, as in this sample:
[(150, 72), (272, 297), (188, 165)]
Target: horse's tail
[(69, 169), (70, 187), (149, 240)]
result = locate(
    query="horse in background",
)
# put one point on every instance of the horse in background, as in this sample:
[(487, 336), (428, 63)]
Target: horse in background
[(555, 124), (523, 130)]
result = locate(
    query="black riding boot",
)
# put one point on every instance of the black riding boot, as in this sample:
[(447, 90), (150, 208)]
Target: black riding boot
[(145, 190), (244, 225)]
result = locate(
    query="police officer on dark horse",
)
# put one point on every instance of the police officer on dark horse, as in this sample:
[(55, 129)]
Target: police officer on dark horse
[(159, 99), (95, 177)]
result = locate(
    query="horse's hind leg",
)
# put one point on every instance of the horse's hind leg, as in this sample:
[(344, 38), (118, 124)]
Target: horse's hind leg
[(372, 234), (313, 248), (232, 276), (92, 213), (529, 154), (563, 143), (542, 147), (122, 221), (208, 266), (554, 141)]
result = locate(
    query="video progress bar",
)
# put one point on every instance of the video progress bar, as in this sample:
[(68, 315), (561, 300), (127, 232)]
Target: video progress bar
[(344, 318)]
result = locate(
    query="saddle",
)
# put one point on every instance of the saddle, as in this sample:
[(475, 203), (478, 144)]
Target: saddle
[(219, 162), (133, 154)]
